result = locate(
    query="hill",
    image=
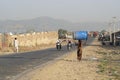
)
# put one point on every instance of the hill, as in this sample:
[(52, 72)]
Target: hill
[(46, 24)]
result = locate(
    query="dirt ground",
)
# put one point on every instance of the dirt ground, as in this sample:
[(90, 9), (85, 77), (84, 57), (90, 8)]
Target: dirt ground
[(10, 50), (68, 67)]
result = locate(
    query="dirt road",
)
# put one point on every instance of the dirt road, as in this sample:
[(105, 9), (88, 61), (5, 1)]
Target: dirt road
[(68, 68)]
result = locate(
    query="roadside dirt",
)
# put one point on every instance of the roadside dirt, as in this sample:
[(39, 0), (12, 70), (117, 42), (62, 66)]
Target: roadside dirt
[(22, 49), (10, 50), (68, 68)]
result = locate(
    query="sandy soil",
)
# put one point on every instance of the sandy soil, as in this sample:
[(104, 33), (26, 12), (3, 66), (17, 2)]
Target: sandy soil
[(68, 68)]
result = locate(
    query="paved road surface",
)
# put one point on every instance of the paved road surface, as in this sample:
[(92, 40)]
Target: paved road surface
[(12, 65)]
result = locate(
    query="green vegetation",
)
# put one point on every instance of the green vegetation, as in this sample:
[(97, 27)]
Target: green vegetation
[(110, 65), (103, 31), (62, 33)]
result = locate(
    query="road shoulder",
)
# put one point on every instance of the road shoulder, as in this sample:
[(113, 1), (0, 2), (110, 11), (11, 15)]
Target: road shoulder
[(68, 68)]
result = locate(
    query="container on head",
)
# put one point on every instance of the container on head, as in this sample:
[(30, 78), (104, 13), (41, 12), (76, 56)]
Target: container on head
[(80, 35)]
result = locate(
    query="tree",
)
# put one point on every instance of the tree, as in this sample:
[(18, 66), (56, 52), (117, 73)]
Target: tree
[(103, 31), (62, 33)]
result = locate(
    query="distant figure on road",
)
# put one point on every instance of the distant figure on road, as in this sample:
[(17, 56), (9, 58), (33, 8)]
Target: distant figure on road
[(16, 45), (69, 45), (58, 44)]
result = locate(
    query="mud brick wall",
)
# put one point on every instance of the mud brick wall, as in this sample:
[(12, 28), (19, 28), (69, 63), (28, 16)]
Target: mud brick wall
[(0, 40), (34, 39)]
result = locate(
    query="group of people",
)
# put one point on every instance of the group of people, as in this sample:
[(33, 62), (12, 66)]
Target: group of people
[(69, 43), (58, 43)]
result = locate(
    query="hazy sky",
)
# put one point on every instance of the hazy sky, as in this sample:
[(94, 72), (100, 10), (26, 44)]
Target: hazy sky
[(72, 10)]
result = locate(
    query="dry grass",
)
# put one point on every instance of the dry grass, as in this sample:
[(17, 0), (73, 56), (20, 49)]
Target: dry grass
[(110, 62)]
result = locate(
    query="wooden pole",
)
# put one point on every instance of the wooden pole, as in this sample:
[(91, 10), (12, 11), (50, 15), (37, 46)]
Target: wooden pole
[(79, 50)]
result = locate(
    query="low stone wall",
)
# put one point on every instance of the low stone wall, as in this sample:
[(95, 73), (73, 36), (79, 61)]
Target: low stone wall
[(33, 39), (0, 40)]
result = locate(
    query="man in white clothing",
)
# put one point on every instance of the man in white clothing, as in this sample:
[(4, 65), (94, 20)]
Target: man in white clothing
[(16, 44)]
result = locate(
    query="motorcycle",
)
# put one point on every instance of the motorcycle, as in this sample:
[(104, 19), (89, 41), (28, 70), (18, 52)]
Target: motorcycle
[(58, 46), (69, 46)]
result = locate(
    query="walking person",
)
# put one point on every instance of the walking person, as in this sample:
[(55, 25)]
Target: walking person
[(16, 45), (79, 51)]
